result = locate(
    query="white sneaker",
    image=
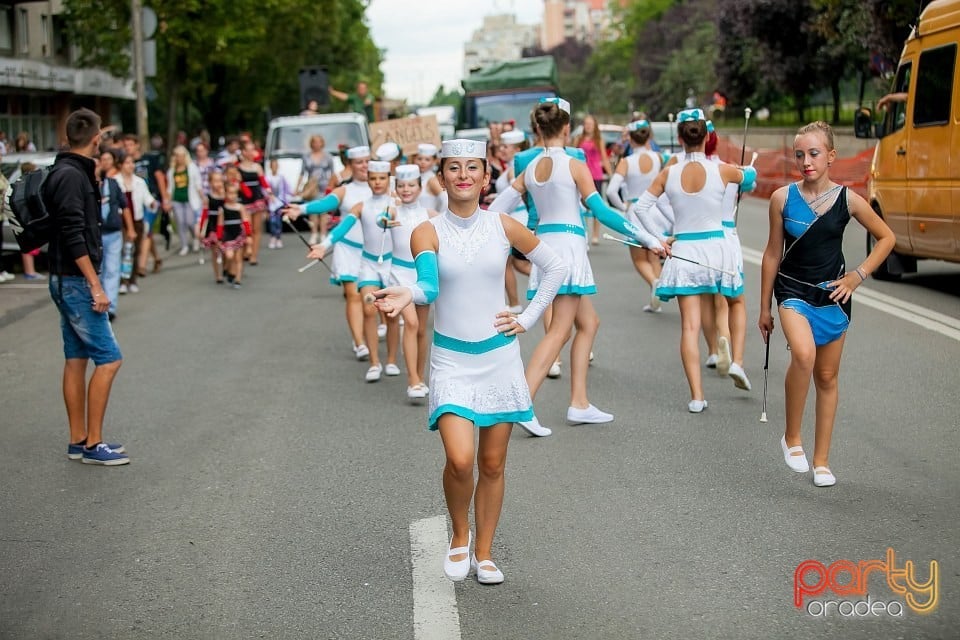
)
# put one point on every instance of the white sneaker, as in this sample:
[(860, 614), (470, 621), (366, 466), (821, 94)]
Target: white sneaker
[(184, 250), (457, 570), (361, 351), (272, 244), (313, 238), (823, 477), (416, 392), (724, 359), (797, 463), (654, 300), (590, 415), (648, 309), (487, 572), (696, 406), (534, 428), (381, 330), (373, 373), (711, 362), (123, 289), (279, 243), (391, 369), (740, 380), (6, 275), (196, 245), (554, 371), (134, 288)]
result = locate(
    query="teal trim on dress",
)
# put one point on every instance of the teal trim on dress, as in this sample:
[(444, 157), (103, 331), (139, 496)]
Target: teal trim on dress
[(700, 235), (402, 263), (338, 280), (668, 293), (474, 348), (370, 256), (561, 228), (730, 224), (478, 419), (370, 283), (351, 243), (569, 290)]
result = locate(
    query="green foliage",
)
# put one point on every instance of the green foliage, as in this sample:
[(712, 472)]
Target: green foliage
[(101, 30), (441, 97)]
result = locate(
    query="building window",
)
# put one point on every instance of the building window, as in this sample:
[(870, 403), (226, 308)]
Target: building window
[(58, 38), (23, 31), (6, 29)]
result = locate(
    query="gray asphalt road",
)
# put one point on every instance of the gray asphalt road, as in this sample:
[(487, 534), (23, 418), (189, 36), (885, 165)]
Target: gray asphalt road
[(271, 490)]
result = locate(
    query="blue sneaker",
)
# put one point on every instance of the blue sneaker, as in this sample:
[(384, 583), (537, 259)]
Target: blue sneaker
[(75, 451), (102, 454)]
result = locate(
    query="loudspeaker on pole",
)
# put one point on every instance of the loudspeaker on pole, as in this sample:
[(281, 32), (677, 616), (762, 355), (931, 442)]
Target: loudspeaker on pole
[(314, 85)]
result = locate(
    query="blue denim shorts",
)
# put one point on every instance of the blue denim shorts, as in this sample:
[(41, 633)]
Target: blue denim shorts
[(86, 333)]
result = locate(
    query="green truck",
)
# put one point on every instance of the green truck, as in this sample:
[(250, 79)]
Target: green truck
[(507, 91)]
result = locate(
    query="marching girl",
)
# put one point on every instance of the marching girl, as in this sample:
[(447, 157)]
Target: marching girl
[(556, 182), (347, 251), (403, 219), (210, 221), (636, 172), (432, 195), (254, 195), (232, 232), (511, 143), (803, 266), (476, 374), (695, 188)]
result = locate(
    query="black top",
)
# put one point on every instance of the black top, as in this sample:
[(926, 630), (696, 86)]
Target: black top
[(813, 250), (72, 197), (252, 180), (112, 196), (213, 213)]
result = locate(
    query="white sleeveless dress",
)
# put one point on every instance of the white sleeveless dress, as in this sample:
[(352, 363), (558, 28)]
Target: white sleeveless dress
[(636, 182), (699, 236), (346, 253), (729, 223), (475, 372), (403, 270), (376, 243), (427, 200), (560, 225)]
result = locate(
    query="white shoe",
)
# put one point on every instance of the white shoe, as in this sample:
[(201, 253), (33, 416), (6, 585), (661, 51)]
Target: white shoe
[(711, 362), (823, 477), (554, 370), (487, 572), (279, 243), (457, 570), (797, 463), (416, 392), (516, 308), (123, 289), (373, 373), (654, 300), (184, 250), (272, 244), (196, 245), (313, 238), (133, 288), (696, 406), (648, 309), (534, 428), (361, 351), (591, 357), (724, 360), (391, 369), (6, 275), (590, 415), (740, 380), (381, 330)]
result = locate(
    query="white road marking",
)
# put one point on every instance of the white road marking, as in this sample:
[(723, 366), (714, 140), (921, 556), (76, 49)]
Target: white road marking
[(920, 316), (435, 615)]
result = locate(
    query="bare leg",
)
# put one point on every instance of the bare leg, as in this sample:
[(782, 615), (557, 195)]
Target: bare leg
[(803, 356), (371, 318), (257, 225), (708, 322), (737, 321), (587, 323), (825, 373), (411, 338), (721, 310), (75, 397), (393, 339), (423, 316), (642, 264), (488, 503), (354, 310), (457, 436), (690, 343), (98, 394), (558, 333)]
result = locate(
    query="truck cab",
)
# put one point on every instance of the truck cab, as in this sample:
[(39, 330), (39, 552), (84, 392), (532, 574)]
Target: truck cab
[(507, 91)]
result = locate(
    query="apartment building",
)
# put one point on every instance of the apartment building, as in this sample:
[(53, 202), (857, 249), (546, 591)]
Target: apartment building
[(501, 38), (40, 82)]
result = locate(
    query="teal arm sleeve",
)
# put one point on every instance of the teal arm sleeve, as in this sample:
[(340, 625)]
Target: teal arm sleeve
[(427, 287), (749, 179), (337, 233), (326, 204), (608, 217)]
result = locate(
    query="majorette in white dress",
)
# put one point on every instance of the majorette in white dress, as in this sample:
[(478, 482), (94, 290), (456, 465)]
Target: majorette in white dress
[(346, 252)]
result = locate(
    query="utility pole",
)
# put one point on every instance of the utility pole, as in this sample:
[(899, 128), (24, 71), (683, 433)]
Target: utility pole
[(136, 10)]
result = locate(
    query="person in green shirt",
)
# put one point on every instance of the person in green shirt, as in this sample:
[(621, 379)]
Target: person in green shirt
[(359, 102)]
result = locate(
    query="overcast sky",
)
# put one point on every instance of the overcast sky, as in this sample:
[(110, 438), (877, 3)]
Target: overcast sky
[(424, 39)]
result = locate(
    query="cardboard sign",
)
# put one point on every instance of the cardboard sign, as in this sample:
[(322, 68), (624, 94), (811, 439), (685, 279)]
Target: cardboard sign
[(406, 132)]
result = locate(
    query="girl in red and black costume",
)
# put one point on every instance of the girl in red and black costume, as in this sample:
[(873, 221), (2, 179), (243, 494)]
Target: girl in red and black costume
[(210, 220), (233, 230), (253, 195)]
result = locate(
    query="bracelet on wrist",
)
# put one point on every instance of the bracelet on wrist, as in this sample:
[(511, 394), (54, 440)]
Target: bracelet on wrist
[(860, 273)]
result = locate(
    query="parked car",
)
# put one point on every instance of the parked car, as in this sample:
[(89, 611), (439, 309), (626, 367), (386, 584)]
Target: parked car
[(10, 167)]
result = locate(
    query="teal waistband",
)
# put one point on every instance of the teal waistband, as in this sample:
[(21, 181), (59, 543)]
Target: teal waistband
[(463, 346), (403, 263), (352, 243), (370, 256), (729, 224), (699, 235), (562, 228)]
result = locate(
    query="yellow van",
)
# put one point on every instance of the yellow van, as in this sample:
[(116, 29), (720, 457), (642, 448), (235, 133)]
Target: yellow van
[(915, 176)]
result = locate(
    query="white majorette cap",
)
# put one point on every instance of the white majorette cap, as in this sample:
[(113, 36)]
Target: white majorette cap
[(636, 125), (378, 166), (690, 114), (408, 172), (427, 149), (463, 148), (560, 102), (388, 151), (515, 136), (354, 153)]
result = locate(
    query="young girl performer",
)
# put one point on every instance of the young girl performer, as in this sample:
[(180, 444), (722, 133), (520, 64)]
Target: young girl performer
[(432, 195), (233, 231), (637, 171), (347, 252), (803, 266), (556, 183), (210, 221), (512, 142), (403, 220), (695, 188), (254, 196), (476, 374)]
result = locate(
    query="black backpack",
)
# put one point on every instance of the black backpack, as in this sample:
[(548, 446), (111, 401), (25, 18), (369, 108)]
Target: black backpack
[(32, 224)]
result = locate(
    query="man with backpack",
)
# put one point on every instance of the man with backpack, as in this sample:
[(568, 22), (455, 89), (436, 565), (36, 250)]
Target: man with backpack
[(72, 198)]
